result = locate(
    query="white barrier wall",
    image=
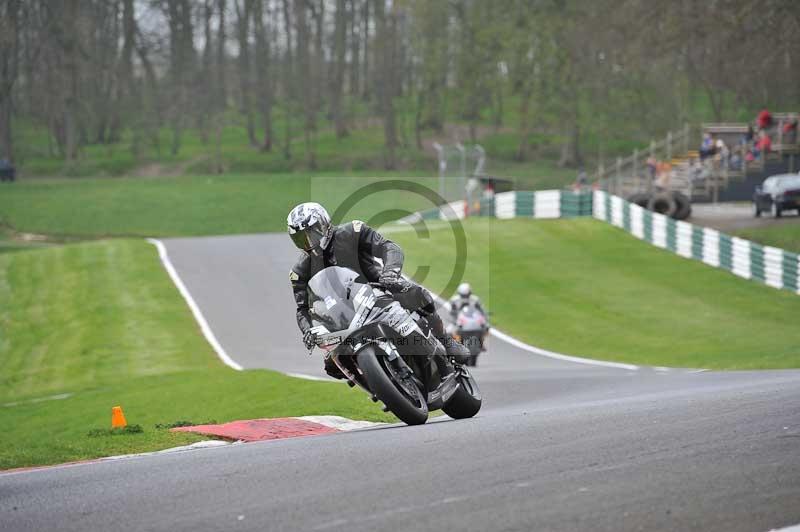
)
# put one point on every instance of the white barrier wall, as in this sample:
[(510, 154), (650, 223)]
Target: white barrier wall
[(772, 266)]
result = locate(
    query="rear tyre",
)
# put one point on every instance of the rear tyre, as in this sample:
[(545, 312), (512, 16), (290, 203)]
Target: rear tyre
[(756, 211), (404, 399), (640, 199), (466, 401), (776, 210), (684, 206), (663, 203)]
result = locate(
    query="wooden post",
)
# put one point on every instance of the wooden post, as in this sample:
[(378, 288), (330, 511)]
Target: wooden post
[(619, 176)]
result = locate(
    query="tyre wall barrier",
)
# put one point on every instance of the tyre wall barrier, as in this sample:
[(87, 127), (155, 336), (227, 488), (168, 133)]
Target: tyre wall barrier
[(774, 267)]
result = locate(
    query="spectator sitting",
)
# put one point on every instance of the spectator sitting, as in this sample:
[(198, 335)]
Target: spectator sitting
[(764, 144), (748, 137), (723, 154), (764, 119), (762, 147), (736, 161), (707, 146)]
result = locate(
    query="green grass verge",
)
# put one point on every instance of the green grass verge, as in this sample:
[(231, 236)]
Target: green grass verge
[(102, 322), (585, 288), (211, 205), (786, 235), (192, 205)]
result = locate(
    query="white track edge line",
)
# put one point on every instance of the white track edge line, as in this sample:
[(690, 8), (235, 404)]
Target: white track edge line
[(558, 356), (792, 528), (198, 315)]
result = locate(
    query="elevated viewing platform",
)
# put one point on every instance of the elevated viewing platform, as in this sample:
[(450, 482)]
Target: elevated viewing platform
[(715, 162)]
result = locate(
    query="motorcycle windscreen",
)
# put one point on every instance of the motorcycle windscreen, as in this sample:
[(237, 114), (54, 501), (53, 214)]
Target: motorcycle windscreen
[(332, 298)]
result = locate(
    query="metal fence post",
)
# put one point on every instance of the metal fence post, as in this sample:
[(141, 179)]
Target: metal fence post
[(686, 138), (669, 146)]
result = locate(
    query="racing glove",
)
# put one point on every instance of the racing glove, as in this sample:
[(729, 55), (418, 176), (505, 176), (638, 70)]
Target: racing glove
[(309, 338), (391, 281)]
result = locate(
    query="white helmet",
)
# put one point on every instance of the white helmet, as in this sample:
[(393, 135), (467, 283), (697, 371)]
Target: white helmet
[(310, 227), (464, 290)]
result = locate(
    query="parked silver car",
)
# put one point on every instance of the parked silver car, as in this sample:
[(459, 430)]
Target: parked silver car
[(777, 194)]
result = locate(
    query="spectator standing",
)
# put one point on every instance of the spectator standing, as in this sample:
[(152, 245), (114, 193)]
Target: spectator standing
[(790, 131), (723, 154), (764, 119), (652, 165), (707, 146)]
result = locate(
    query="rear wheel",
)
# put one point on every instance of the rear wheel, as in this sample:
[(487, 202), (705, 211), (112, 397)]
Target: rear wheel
[(466, 401), (756, 210), (400, 395), (776, 210)]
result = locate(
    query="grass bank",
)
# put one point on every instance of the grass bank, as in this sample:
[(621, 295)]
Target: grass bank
[(188, 206), (585, 288), (89, 326)]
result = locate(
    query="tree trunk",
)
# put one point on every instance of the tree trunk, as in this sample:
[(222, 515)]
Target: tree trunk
[(289, 82), (243, 16), (340, 48), (263, 63), (222, 86), (9, 69), (365, 71), (524, 127), (385, 43), (355, 49), (303, 76)]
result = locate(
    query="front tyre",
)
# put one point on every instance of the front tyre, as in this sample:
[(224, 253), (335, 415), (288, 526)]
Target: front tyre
[(401, 397), (466, 401)]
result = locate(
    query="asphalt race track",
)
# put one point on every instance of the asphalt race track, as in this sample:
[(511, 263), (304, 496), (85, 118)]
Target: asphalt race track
[(557, 446)]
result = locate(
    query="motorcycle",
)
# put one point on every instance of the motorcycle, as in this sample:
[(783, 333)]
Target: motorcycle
[(389, 352), (470, 329)]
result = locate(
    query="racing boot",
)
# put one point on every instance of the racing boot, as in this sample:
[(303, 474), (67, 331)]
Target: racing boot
[(456, 351), (333, 370)]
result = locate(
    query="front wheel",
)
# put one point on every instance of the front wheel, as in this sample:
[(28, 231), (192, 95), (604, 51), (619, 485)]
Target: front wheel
[(466, 401), (400, 395)]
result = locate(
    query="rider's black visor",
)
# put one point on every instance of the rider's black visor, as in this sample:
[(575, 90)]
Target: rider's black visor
[(309, 238)]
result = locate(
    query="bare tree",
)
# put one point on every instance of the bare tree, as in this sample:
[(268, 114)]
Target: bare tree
[(385, 53), (263, 72), (340, 49)]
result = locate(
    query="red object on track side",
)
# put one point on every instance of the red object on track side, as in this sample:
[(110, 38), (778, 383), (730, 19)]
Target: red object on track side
[(261, 429)]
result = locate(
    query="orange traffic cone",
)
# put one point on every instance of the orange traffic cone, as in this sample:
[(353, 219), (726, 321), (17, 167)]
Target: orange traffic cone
[(118, 418)]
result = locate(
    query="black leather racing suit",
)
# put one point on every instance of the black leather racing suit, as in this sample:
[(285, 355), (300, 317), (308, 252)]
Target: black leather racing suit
[(355, 245)]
